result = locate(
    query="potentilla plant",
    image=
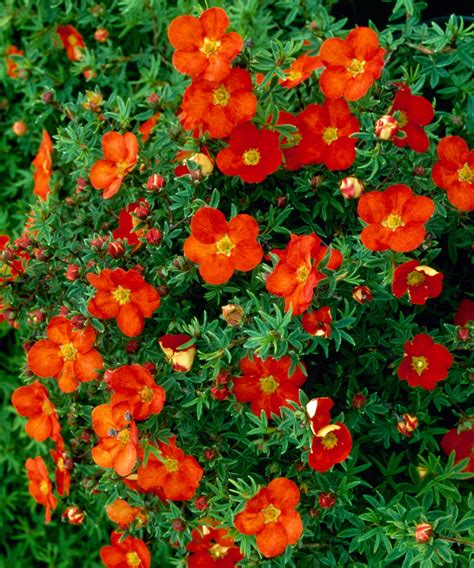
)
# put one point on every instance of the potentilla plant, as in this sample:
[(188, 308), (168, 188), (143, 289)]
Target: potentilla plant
[(243, 291)]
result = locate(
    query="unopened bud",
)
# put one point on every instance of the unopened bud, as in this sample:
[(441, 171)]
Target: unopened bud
[(155, 182), (72, 272), (351, 187), (115, 249), (19, 128), (386, 127), (154, 236), (101, 35), (362, 294)]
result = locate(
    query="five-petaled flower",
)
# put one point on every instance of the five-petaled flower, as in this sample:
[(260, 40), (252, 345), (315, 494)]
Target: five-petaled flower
[(318, 322), (72, 42), (40, 486), (424, 362), (271, 515), (212, 546), (43, 163), (419, 281), (396, 218), (220, 247), (67, 354), (126, 552)]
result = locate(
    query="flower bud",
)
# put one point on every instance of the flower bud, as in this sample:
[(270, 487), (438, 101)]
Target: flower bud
[(115, 249), (154, 236), (142, 210), (422, 471), (63, 311), (78, 321), (72, 272), (40, 254), (153, 99), (316, 181), (47, 97), (359, 400), (362, 294), (181, 359), (233, 314), (99, 242), (326, 500), (19, 128), (281, 201), (23, 242), (150, 367), (74, 516), (178, 525), (464, 334), (419, 171), (201, 503), (423, 532), (155, 182), (408, 425), (132, 346), (386, 127), (101, 35), (210, 454), (351, 187)]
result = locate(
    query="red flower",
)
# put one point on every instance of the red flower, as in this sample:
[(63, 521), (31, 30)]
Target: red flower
[(40, 485), (421, 282), (121, 154), (203, 48), (272, 517), (12, 64), (219, 106), (465, 312), (454, 172), (412, 113), (318, 323), (63, 467), (43, 163), (462, 444), (127, 553), (396, 218), (67, 355), (118, 439), (175, 475), (123, 295), (352, 65), (296, 274), (33, 401), (220, 247), (300, 70), (181, 359), (135, 391), (128, 222), (212, 547), (424, 362), (146, 128), (252, 154), (123, 514), (72, 42), (267, 384)]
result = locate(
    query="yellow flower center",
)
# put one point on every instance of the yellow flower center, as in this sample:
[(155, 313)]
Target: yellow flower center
[(133, 560), (60, 464), (171, 465), (47, 408), (329, 441), (72, 40), (414, 278), (44, 487), (220, 96), (402, 119), (393, 222), (330, 135), (251, 157), (466, 174), (146, 394), (68, 351), (123, 436), (302, 273), (209, 46), (419, 364), (271, 514), (218, 551), (294, 75), (121, 295), (225, 246), (269, 385), (356, 67), (122, 168)]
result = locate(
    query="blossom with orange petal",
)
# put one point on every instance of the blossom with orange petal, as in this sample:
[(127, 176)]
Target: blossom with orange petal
[(252, 154), (300, 70), (220, 247), (181, 359), (128, 552), (271, 515), (212, 547), (219, 106), (120, 158), (40, 486), (72, 42), (396, 218), (424, 362), (43, 164), (352, 65), (203, 48), (33, 402), (123, 295), (118, 439), (123, 514), (454, 172), (128, 222), (67, 355), (267, 384), (318, 322), (412, 113), (146, 127), (419, 281), (12, 64), (175, 476), (461, 442), (64, 465), (296, 274), (135, 391)]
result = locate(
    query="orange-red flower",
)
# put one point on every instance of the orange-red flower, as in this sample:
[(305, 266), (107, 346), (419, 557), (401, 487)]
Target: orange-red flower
[(128, 222), (12, 64), (219, 106), (67, 355), (267, 384), (72, 42), (220, 247), (118, 439), (33, 401), (252, 154), (212, 547), (127, 553), (396, 218), (461, 442), (146, 128), (203, 48), (454, 172), (421, 282), (318, 322), (296, 274), (412, 113), (352, 65), (121, 154), (181, 359), (424, 362), (300, 70), (272, 517), (123, 514), (43, 164), (135, 391), (40, 486), (175, 475), (63, 468), (123, 295)]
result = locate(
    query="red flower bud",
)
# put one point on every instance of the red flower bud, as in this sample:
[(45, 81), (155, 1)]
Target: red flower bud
[(47, 97), (101, 35), (386, 127), (19, 128), (178, 525), (155, 182), (72, 272), (201, 503), (74, 516), (115, 249), (210, 454), (132, 346), (233, 314), (153, 99), (23, 242), (154, 236), (281, 201), (351, 187), (99, 242), (326, 500), (150, 367), (142, 211), (464, 334), (63, 311), (362, 294), (40, 254), (359, 400), (423, 532)]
